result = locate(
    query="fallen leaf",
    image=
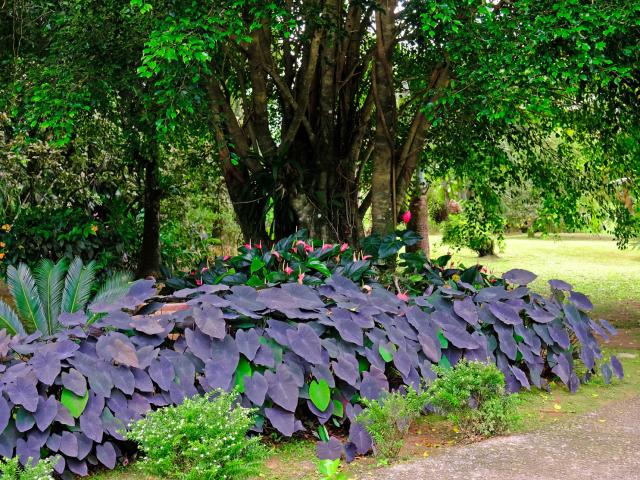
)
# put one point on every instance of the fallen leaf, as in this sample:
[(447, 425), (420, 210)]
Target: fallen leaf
[(425, 454), (557, 406)]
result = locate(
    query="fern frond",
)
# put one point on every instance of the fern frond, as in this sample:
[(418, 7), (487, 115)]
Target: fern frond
[(77, 285), (9, 320), (114, 287), (25, 296), (50, 283)]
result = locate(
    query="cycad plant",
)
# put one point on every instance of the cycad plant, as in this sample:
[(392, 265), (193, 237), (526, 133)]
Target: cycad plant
[(54, 289)]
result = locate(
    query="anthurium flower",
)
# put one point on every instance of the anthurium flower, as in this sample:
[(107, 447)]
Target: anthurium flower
[(344, 247), (403, 296), (288, 270), (366, 257), (276, 254), (300, 278), (406, 217)]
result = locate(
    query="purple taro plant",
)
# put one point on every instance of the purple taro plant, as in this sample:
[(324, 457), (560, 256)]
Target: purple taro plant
[(303, 356)]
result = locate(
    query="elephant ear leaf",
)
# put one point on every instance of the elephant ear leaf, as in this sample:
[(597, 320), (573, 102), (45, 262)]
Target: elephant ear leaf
[(77, 285), (25, 295), (50, 283), (9, 320)]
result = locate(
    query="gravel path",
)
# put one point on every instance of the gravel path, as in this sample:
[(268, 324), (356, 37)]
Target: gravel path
[(601, 445)]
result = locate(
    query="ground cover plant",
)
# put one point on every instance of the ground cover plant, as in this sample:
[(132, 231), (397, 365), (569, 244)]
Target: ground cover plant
[(304, 357)]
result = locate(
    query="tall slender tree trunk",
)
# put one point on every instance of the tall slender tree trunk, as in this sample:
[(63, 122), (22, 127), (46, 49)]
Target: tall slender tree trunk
[(383, 208), (420, 214), (149, 259)]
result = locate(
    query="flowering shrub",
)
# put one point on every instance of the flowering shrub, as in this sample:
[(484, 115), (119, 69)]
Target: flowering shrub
[(297, 259), (204, 437), (10, 469), (110, 238)]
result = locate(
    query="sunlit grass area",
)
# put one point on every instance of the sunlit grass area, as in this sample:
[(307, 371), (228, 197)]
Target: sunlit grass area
[(594, 265)]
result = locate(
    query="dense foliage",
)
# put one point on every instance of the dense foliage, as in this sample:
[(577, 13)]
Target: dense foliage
[(128, 121), (297, 258), (55, 290), (204, 437), (301, 356)]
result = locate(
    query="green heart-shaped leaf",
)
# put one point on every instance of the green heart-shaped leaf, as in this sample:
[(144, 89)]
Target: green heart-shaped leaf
[(73, 402), (320, 394)]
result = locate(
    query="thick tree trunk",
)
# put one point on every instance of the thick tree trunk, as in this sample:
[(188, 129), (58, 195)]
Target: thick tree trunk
[(383, 208), (149, 258)]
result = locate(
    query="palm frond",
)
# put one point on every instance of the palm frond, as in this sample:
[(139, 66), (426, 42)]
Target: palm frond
[(25, 296), (50, 283), (114, 287), (9, 320), (77, 285)]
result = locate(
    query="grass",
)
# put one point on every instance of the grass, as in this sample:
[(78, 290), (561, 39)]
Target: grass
[(594, 265)]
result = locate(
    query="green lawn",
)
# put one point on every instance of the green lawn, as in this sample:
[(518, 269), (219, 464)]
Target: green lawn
[(594, 265)]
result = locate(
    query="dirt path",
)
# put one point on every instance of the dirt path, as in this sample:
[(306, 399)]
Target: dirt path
[(598, 445)]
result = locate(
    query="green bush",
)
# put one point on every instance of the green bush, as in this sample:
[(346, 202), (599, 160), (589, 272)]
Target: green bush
[(12, 470), (478, 227), (388, 419), (203, 438), (472, 395)]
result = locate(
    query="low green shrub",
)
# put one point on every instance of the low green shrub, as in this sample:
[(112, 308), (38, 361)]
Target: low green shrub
[(203, 438), (472, 395), (388, 419), (10, 469)]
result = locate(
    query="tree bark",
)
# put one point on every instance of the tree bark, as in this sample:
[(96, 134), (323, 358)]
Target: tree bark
[(383, 209), (149, 259), (419, 208)]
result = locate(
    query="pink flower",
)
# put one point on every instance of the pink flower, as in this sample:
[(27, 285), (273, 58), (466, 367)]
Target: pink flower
[(344, 247), (403, 296), (300, 278), (225, 258), (367, 288), (308, 248), (366, 257), (198, 282), (288, 270), (326, 246), (276, 254), (204, 269), (248, 245), (406, 217), (259, 245)]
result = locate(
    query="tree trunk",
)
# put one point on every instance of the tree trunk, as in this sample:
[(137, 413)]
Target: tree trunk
[(149, 259), (383, 208), (420, 215)]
